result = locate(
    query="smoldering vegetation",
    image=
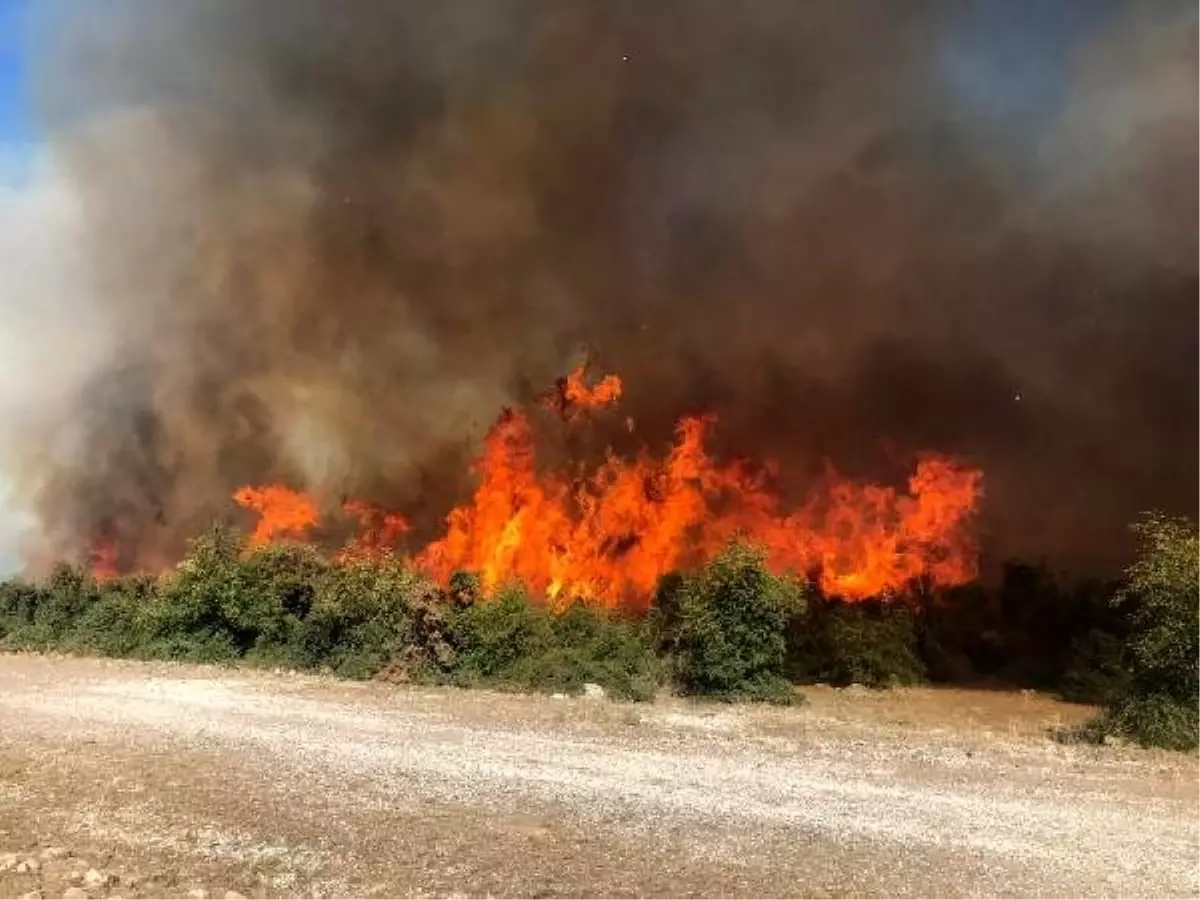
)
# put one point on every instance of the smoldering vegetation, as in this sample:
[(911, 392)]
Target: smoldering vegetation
[(324, 244)]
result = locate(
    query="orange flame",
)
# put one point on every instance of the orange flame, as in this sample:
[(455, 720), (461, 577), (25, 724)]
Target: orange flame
[(573, 398), (378, 531), (609, 538), (607, 390), (282, 512), (103, 561)]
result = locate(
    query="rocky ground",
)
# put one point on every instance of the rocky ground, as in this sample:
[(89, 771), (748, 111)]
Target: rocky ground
[(128, 780)]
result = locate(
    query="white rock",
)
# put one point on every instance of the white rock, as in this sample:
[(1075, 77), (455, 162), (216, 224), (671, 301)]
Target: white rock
[(53, 853), (197, 894), (32, 895), (93, 879), (558, 696), (28, 867), (229, 895), (8, 861), (594, 691), (75, 893)]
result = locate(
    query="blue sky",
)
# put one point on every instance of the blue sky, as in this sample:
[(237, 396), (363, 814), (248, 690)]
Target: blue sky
[(1009, 61), (14, 124), (17, 134)]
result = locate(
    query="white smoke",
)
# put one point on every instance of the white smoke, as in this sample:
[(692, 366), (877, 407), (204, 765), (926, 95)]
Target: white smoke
[(52, 340)]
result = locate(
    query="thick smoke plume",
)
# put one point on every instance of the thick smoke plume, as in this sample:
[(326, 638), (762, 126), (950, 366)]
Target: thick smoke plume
[(325, 243)]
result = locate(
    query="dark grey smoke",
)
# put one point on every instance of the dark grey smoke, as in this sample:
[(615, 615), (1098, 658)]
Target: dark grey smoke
[(330, 240)]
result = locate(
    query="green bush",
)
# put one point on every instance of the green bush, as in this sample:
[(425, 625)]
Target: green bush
[(278, 589), (1156, 721), (117, 622), (1164, 586), (196, 613), (42, 617), (591, 645), (286, 605), (732, 630), (870, 642), (1158, 706), (365, 617), (19, 601), (727, 627), (219, 605), (493, 639), (510, 641)]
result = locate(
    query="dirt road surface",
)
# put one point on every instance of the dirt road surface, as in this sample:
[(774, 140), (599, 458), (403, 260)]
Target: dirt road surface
[(127, 779)]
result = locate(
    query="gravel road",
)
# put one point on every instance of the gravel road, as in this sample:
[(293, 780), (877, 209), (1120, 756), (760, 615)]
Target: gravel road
[(156, 780)]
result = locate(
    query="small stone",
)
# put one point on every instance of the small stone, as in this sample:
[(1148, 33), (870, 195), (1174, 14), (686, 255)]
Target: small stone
[(28, 867), (8, 861), (854, 688), (53, 853), (234, 895), (558, 696), (75, 893), (197, 894), (594, 691), (93, 879), (32, 895)]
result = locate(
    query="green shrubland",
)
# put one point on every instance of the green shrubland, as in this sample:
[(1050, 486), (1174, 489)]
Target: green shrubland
[(730, 630)]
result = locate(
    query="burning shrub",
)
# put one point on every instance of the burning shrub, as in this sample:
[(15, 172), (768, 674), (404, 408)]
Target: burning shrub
[(728, 636), (870, 642)]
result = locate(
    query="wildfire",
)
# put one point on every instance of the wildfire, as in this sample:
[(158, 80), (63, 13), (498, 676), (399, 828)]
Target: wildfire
[(607, 390), (378, 531), (282, 512), (103, 560), (609, 537), (573, 398)]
